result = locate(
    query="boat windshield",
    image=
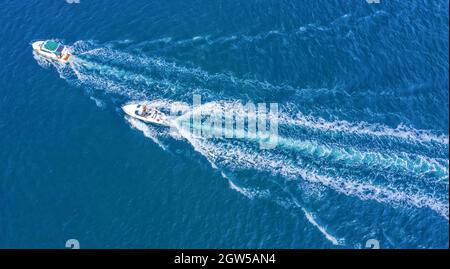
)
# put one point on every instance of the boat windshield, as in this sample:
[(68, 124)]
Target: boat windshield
[(59, 50), (54, 47)]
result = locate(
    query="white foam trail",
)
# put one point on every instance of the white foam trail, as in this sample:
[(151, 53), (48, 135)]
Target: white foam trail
[(249, 193), (348, 155), (98, 102), (412, 163), (43, 62), (237, 158), (364, 128), (309, 216), (312, 219), (146, 130), (166, 67), (382, 194), (232, 156), (360, 128), (196, 144), (328, 236), (104, 81)]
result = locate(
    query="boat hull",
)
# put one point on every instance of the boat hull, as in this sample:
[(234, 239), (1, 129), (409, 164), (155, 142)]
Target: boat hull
[(37, 48), (131, 109)]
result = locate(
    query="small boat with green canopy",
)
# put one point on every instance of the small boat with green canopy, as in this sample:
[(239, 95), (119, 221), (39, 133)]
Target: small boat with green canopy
[(52, 50)]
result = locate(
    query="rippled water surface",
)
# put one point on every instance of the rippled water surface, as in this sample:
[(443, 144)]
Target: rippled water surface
[(363, 147)]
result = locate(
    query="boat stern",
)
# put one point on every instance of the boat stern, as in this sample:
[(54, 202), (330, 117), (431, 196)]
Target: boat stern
[(65, 58)]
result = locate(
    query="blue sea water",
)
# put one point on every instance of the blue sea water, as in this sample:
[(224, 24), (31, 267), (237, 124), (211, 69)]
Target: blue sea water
[(364, 120)]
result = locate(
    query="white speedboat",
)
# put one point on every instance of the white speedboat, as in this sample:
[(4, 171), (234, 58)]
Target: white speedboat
[(53, 50), (146, 113)]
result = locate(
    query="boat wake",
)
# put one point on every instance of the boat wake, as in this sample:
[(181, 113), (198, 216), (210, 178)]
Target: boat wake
[(316, 163)]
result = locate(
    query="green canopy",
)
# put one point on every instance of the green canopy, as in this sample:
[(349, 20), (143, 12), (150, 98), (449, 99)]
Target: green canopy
[(51, 45)]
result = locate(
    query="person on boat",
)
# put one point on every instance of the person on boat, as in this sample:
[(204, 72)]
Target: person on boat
[(144, 110), (152, 113)]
